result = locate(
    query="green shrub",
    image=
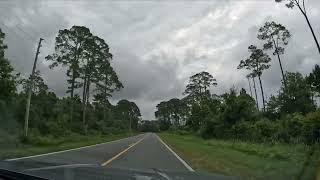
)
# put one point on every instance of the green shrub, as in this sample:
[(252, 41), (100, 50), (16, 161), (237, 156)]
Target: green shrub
[(46, 140), (290, 128), (111, 130), (182, 132), (172, 129), (242, 130), (213, 128), (264, 130), (205, 132), (311, 127)]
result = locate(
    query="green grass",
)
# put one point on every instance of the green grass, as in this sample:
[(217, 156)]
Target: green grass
[(242, 159), (11, 147)]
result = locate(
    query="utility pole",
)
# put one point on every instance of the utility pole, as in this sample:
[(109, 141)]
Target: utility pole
[(26, 118), (130, 123)]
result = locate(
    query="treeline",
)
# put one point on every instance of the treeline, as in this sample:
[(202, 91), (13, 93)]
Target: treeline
[(291, 115), (148, 126), (86, 58)]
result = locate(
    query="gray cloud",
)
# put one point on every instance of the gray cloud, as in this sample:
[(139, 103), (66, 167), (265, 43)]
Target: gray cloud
[(158, 45)]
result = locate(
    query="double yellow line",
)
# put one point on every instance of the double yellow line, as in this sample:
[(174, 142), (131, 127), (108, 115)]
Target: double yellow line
[(122, 152)]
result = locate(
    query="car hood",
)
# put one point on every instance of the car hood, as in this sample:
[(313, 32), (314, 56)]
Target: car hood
[(94, 171)]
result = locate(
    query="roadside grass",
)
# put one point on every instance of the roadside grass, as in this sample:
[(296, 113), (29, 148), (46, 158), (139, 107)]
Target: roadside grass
[(243, 159), (11, 146)]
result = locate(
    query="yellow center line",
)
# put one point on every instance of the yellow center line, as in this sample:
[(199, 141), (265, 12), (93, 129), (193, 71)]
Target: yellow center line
[(122, 152)]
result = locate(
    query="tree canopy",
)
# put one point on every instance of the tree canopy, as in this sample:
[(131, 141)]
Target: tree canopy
[(87, 58), (276, 36), (199, 85), (7, 77), (257, 63)]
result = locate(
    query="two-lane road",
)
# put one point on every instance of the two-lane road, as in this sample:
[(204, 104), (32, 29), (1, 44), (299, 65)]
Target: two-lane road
[(145, 151)]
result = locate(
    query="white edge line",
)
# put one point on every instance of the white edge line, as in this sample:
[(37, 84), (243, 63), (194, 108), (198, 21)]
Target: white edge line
[(54, 167), (176, 155), (39, 155)]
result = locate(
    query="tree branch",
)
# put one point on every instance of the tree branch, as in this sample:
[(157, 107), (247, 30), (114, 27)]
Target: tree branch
[(295, 2), (304, 7)]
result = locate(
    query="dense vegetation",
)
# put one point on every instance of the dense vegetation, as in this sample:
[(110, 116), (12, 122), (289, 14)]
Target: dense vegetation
[(243, 159), (86, 59), (289, 116), (288, 119)]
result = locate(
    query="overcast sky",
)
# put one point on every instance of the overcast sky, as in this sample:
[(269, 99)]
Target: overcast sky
[(157, 45)]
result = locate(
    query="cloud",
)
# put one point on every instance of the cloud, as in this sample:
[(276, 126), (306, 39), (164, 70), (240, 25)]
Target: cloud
[(146, 82), (158, 45)]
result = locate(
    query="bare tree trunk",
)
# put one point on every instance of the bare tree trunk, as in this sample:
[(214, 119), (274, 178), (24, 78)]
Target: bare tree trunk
[(282, 73), (88, 90), (73, 83), (84, 89), (84, 99), (72, 95), (255, 92), (279, 59), (262, 94), (313, 34), (104, 113), (84, 118), (250, 86), (310, 27), (311, 93), (85, 107), (104, 100), (130, 128), (281, 67)]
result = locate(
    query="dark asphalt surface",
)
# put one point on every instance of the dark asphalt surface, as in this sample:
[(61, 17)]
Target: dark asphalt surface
[(149, 153)]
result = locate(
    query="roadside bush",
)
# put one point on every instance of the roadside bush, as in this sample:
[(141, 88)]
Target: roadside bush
[(290, 129), (311, 127), (294, 125), (8, 117), (264, 130), (213, 128), (164, 125), (111, 130), (33, 133), (95, 132), (173, 129), (242, 130), (149, 126), (184, 130), (46, 140), (205, 132)]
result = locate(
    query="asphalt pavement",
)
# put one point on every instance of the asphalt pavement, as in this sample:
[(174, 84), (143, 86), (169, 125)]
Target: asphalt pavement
[(144, 151)]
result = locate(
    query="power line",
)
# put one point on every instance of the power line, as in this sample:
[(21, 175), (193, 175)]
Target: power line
[(10, 29), (19, 19), (31, 37), (19, 28), (17, 34)]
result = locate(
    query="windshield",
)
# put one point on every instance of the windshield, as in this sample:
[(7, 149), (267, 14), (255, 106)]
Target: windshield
[(164, 89)]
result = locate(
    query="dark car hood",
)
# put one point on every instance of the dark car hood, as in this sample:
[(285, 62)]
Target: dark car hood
[(94, 171)]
